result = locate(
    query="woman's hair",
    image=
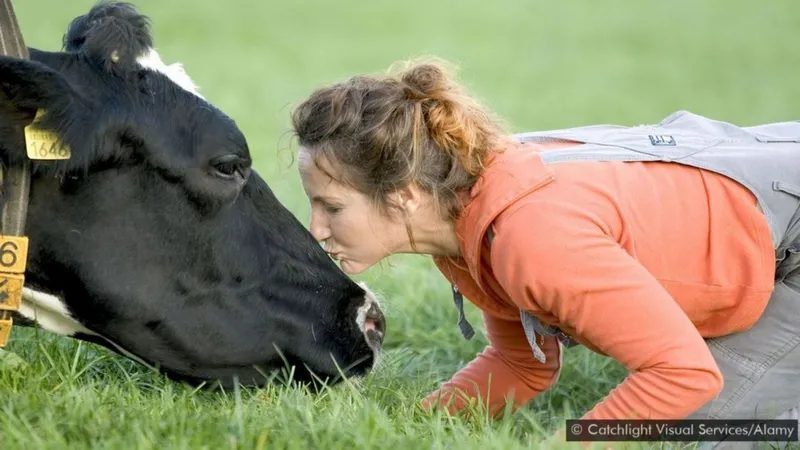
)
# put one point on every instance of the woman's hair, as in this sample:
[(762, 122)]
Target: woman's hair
[(413, 125)]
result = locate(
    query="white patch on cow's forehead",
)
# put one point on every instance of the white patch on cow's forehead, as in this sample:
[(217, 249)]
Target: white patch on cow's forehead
[(152, 60)]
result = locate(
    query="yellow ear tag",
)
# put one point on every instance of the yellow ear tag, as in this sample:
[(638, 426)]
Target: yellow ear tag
[(13, 254), (11, 291), (43, 144)]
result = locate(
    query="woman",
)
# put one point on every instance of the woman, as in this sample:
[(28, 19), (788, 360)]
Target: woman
[(588, 235)]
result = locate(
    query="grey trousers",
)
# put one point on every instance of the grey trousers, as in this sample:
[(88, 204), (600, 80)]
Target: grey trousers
[(761, 366)]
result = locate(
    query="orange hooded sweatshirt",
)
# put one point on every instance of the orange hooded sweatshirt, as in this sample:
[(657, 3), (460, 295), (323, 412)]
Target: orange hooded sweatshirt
[(636, 260)]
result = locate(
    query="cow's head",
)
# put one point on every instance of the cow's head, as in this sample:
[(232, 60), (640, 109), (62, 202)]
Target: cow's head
[(156, 238)]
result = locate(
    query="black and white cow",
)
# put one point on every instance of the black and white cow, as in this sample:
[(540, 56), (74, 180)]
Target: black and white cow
[(156, 239)]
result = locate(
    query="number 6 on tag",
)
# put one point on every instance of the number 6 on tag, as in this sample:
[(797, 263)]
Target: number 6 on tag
[(13, 254)]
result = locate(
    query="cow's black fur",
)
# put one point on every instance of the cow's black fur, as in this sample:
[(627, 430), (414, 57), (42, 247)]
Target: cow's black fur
[(156, 233)]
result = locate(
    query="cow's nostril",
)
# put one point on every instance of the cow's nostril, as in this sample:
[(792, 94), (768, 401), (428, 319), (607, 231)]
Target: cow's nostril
[(370, 319), (375, 315), (375, 326)]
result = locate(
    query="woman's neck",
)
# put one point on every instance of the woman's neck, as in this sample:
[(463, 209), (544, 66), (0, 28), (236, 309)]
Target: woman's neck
[(432, 234)]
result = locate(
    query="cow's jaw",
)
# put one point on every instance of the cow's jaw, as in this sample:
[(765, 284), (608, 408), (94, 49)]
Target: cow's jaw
[(49, 312)]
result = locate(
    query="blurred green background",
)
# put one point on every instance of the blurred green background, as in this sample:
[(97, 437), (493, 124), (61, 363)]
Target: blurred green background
[(539, 65)]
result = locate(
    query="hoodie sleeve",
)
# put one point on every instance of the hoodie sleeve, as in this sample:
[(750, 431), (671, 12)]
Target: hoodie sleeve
[(561, 265), (505, 371)]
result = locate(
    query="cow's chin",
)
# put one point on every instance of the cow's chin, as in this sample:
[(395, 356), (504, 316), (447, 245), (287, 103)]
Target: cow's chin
[(356, 355), (333, 374), (49, 311)]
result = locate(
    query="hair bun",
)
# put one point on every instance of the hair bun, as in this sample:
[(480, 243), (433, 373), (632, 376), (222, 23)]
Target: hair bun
[(453, 120), (427, 80), (414, 124)]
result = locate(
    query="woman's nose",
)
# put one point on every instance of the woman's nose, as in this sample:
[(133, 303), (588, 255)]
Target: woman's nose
[(319, 228)]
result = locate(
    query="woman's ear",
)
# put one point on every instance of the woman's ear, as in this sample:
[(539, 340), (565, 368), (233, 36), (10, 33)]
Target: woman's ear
[(407, 199)]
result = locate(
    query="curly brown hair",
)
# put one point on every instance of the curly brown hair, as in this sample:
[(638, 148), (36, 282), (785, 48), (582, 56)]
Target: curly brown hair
[(412, 125)]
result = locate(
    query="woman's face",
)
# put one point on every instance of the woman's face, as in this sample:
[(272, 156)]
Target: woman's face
[(353, 230)]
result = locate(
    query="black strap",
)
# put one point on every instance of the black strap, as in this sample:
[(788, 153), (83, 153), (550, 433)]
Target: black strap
[(11, 42), (17, 182), (14, 181), (466, 329)]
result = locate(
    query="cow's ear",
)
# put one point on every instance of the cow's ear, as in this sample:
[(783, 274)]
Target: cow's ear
[(26, 86), (113, 34)]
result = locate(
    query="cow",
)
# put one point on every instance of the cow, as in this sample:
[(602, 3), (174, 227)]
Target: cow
[(156, 238)]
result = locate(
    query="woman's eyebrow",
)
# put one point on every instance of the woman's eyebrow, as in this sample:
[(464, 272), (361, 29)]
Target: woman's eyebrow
[(323, 199)]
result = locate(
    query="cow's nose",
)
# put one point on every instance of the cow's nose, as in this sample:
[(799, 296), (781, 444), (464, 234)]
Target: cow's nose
[(374, 326), (371, 320)]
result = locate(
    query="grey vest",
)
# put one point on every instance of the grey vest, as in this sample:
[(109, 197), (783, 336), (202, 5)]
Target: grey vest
[(765, 159)]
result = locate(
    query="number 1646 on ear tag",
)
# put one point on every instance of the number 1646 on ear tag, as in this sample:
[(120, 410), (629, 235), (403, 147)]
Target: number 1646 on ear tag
[(44, 144)]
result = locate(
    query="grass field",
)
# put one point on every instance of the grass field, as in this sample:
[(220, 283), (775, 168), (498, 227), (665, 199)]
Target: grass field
[(540, 65)]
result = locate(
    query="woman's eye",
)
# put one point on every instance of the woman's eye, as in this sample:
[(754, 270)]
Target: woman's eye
[(330, 209)]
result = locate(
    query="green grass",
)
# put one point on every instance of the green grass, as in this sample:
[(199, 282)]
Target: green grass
[(540, 65)]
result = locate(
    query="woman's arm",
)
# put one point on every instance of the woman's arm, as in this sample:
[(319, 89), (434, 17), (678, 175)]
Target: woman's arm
[(554, 261), (504, 371)]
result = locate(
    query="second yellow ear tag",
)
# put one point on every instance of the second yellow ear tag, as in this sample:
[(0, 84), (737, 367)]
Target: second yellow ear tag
[(44, 144)]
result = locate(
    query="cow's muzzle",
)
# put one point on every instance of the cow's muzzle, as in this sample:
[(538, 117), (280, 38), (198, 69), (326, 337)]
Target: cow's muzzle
[(371, 321)]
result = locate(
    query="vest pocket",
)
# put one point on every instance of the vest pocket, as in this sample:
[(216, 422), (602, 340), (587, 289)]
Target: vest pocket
[(766, 139), (790, 263), (789, 188), (787, 256), (781, 132)]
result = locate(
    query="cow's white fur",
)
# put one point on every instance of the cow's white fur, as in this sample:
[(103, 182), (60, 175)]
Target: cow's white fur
[(361, 314), (48, 311), (175, 72), (369, 299)]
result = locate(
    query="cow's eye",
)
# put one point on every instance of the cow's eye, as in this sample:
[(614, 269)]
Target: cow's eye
[(229, 166)]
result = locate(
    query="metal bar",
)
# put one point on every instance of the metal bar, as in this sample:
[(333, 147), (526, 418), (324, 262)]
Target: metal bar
[(15, 182), (11, 42), (17, 179)]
